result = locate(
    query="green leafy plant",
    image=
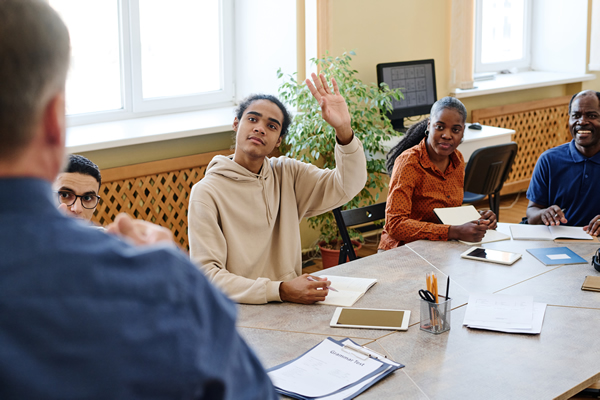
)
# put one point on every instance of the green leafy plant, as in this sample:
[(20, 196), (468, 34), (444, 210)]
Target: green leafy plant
[(312, 140)]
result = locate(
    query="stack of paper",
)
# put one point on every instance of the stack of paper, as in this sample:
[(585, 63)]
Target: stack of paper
[(331, 370), (349, 290), (504, 313)]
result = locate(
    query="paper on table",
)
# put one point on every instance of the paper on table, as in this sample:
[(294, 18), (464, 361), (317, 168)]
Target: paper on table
[(491, 235), (344, 394), (543, 232), (499, 311), (323, 370), (349, 290), (539, 310)]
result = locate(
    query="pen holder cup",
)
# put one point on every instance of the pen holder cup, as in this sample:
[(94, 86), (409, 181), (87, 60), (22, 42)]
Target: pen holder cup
[(435, 317)]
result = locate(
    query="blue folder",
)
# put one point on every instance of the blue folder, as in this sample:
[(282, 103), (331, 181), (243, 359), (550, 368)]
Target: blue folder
[(556, 256)]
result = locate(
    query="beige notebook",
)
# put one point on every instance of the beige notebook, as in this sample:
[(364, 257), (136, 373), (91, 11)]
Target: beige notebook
[(349, 290), (464, 214), (591, 283)]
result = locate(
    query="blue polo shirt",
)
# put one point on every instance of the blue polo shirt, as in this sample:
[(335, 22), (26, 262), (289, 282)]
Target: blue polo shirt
[(84, 315), (564, 177)]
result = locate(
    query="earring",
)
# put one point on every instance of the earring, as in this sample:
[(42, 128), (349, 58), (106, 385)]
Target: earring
[(427, 132)]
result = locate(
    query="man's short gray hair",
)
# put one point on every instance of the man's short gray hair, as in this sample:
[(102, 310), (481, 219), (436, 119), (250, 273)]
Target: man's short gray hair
[(34, 59)]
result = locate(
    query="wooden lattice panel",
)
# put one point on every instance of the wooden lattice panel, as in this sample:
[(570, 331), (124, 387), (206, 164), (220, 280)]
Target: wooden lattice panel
[(157, 192), (538, 126)]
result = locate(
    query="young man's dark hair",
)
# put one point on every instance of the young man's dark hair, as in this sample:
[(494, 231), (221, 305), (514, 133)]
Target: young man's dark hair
[(80, 164), (287, 118)]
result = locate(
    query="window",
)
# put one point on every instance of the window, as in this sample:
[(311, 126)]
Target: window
[(502, 35), (143, 57)]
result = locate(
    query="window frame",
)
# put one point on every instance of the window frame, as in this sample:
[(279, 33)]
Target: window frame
[(523, 64), (133, 104)]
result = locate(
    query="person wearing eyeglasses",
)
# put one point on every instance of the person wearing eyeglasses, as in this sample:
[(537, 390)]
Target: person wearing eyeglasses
[(77, 188)]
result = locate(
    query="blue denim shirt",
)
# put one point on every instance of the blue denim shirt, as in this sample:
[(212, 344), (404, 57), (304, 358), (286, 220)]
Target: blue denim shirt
[(85, 315)]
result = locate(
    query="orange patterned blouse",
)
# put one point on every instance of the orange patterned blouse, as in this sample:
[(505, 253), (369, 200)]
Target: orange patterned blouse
[(417, 187)]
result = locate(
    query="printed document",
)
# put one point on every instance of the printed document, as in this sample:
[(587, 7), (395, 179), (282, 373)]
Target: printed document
[(349, 392), (490, 311), (324, 370)]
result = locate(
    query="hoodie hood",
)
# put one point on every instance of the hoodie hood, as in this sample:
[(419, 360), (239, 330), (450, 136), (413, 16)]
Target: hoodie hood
[(225, 166)]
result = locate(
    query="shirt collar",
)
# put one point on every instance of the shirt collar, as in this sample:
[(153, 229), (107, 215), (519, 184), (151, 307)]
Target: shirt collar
[(426, 161), (30, 195), (578, 157)]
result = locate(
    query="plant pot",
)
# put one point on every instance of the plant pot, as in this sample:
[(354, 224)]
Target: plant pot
[(330, 258)]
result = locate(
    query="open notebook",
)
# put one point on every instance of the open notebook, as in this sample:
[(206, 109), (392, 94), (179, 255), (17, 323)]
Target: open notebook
[(543, 232), (349, 290), (464, 214)]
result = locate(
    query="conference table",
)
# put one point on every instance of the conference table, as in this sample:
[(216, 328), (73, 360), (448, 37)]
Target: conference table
[(462, 363)]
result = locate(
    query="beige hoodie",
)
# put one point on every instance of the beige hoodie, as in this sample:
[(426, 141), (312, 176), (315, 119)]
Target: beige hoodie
[(244, 227)]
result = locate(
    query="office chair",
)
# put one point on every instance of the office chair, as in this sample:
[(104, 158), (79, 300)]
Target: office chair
[(356, 216), (486, 172)]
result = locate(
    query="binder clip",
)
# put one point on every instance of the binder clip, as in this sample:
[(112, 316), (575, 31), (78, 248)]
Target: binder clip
[(596, 260)]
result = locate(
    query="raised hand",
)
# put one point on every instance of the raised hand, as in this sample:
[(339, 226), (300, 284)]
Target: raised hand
[(333, 106)]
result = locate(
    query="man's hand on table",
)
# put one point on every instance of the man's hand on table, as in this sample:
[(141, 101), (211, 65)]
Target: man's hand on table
[(301, 290)]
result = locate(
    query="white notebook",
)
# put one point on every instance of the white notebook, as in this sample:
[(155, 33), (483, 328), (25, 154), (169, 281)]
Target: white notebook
[(464, 214), (543, 232), (349, 290)]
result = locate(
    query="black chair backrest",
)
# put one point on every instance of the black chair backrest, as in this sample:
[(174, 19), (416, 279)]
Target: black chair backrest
[(489, 167), (356, 216), (362, 215)]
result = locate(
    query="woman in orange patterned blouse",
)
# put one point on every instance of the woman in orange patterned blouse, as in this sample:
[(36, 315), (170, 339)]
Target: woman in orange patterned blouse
[(430, 174)]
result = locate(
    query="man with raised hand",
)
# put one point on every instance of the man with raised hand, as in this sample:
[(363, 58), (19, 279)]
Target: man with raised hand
[(244, 215)]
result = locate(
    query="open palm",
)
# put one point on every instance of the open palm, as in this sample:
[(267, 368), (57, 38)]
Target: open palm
[(333, 105)]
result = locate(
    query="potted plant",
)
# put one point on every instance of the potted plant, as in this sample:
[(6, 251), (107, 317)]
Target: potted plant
[(312, 140)]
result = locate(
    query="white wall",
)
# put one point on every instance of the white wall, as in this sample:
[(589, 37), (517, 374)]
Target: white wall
[(265, 37), (559, 35)]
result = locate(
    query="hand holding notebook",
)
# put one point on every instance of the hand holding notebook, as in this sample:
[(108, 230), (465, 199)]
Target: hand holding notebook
[(464, 214)]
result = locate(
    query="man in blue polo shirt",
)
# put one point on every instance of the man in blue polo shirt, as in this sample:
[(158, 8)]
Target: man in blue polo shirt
[(83, 314), (564, 187)]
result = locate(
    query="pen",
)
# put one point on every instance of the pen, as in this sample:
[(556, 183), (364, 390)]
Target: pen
[(364, 352), (562, 210), (312, 278), (447, 287)]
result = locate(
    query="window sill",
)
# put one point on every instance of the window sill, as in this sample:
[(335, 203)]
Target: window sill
[(523, 80), (151, 129)]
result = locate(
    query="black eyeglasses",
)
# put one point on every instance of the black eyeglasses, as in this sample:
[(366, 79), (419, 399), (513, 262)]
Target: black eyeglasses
[(89, 201)]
